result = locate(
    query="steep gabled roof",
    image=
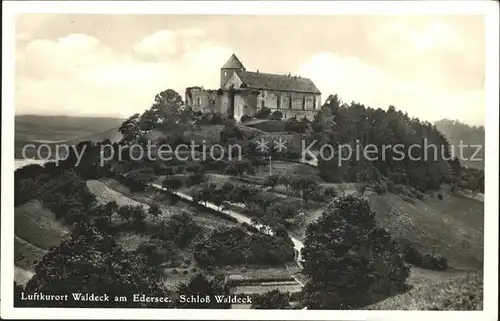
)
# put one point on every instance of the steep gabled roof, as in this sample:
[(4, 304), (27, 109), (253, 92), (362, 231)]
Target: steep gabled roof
[(260, 80), (233, 63)]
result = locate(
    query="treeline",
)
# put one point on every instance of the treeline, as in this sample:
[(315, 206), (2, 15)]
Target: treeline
[(234, 246), (91, 261), (471, 137), (338, 123), (350, 261)]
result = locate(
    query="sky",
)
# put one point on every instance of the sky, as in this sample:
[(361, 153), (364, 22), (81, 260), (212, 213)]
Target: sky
[(431, 67)]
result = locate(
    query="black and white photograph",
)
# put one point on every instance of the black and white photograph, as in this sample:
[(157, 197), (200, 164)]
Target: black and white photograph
[(287, 160)]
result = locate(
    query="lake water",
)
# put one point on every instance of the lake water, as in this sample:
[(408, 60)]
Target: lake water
[(18, 163)]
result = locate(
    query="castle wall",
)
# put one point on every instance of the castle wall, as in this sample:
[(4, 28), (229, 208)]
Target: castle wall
[(223, 103), (299, 114), (207, 100), (245, 103), (288, 100)]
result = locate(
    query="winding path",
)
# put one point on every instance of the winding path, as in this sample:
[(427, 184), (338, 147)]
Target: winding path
[(297, 244)]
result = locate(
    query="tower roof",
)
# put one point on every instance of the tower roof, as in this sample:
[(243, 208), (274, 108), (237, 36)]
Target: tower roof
[(233, 63)]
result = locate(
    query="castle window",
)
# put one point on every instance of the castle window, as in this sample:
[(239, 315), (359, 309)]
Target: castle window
[(225, 73), (198, 101)]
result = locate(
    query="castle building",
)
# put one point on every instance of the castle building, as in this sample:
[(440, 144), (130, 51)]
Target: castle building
[(244, 92)]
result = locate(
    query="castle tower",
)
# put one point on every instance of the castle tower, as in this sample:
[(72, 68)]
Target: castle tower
[(233, 64)]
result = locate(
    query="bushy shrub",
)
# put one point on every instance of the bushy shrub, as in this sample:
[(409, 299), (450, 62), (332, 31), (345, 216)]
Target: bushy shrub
[(425, 261), (380, 187), (245, 118), (233, 246), (277, 115)]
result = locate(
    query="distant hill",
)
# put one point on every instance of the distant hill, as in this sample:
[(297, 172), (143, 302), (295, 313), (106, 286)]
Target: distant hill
[(34, 129), (457, 132), (61, 128)]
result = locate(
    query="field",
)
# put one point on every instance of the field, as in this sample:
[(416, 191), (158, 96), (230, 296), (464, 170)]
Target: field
[(108, 190), (36, 230), (37, 225), (26, 255)]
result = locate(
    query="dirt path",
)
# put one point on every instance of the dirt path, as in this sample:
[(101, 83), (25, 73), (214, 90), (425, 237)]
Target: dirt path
[(241, 218)]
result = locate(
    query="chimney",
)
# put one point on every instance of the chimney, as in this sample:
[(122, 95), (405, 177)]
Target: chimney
[(257, 70)]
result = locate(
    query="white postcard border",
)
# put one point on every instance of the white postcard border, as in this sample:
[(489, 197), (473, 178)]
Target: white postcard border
[(487, 8)]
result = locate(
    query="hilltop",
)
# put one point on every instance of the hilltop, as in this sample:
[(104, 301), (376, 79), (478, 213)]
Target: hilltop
[(436, 230)]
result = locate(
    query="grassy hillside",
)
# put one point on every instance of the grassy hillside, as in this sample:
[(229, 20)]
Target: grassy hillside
[(451, 292), (26, 255), (452, 227), (36, 230), (37, 225)]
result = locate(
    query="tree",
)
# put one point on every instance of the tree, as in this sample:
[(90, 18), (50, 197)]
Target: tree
[(134, 215), (263, 113), (282, 210), (230, 130), (235, 246), (201, 286), (349, 260), (204, 193), (245, 118), (154, 210), (276, 115), (171, 115), (102, 215), (257, 162), (172, 184), (271, 181), (294, 125), (330, 192), (130, 129), (181, 229), (92, 262), (271, 300), (239, 168), (305, 185)]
